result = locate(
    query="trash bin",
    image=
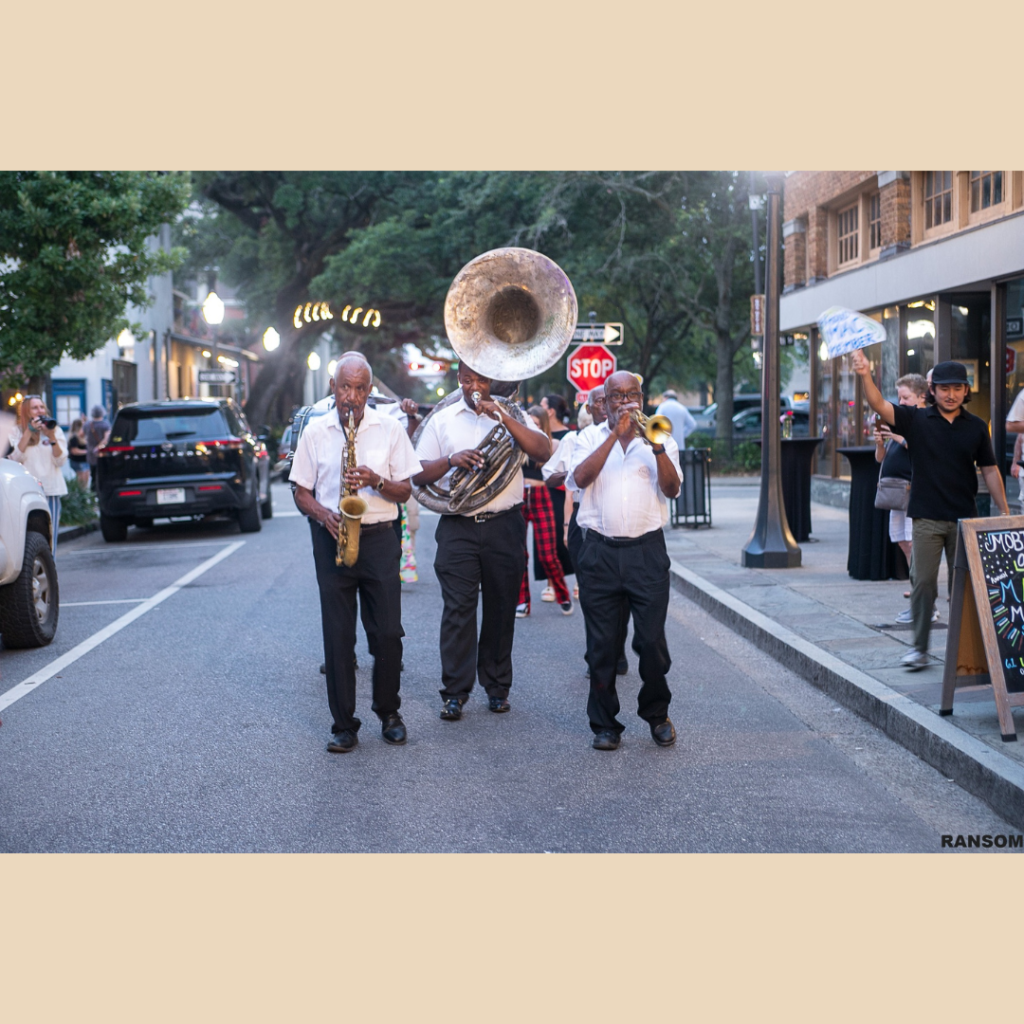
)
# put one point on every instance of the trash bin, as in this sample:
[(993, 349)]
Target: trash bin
[(693, 506)]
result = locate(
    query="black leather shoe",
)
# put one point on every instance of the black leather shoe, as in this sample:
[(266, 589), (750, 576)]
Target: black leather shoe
[(622, 667), (392, 729), (606, 741), (323, 669), (498, 704), (664, 733), (451, 710), (342, 742)]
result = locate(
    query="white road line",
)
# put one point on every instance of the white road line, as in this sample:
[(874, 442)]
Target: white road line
[(28, 685), (83, 604), (169, 546)]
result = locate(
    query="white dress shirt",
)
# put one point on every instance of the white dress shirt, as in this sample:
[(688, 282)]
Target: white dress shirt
[(625, 499), (679, 416), (39, 460), (456, 428), (381, 445)]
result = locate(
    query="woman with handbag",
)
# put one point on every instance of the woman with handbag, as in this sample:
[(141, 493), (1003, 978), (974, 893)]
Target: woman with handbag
[(894, 475)]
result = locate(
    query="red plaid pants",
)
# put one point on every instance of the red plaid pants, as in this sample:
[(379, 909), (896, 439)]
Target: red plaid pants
[(537, 509)]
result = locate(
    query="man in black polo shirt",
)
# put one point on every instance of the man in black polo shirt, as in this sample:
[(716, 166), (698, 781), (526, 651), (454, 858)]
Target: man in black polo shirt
[(945, 443)]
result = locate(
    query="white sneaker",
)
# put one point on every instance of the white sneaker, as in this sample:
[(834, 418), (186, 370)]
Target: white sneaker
[(915, 661), (548, 594), (522, 610), (906, 616)]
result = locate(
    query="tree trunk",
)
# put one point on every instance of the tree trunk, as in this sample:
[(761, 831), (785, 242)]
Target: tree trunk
[(723, 391)]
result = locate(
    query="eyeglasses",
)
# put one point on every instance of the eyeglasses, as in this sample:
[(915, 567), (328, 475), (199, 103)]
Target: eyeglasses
[(628, 396)]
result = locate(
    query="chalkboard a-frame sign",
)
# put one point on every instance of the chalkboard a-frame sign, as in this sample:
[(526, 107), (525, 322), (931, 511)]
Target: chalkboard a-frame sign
[(985, 643)]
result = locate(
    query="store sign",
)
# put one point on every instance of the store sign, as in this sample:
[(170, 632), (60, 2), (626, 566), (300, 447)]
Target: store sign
[(1015, 327)]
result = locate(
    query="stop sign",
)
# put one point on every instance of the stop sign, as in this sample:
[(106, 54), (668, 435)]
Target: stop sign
[(589, 366)]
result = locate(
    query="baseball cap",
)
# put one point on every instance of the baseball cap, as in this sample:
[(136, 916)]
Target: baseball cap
[(949, 373), (670, 394)]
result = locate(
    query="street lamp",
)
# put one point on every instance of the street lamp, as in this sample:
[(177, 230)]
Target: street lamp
[(271, 339), (771, 545), (213, 309)]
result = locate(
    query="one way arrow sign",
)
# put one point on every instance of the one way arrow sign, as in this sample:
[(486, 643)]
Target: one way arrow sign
[(606, 334)]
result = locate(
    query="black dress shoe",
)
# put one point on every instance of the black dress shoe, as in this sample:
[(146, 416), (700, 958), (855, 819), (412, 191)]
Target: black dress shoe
[(622, 667), (664, 733), (498, 704), (342, 742), (392, 729), (451, 710), (323, 669), (606, 741)]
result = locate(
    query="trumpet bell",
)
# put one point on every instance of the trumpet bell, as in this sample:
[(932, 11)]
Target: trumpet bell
[(510, 313), (658, 429)]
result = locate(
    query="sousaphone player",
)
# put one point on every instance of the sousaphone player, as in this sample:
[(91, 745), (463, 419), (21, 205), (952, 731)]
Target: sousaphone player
[(510, 315)]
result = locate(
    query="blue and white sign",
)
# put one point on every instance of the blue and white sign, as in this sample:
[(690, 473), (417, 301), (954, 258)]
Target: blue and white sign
[(845, 330)]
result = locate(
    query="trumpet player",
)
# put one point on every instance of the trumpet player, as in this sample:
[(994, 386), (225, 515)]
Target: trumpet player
[(478, 553), (385, 462), (626, 484)]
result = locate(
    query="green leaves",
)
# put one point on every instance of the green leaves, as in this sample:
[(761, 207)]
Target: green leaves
[(73, 254)]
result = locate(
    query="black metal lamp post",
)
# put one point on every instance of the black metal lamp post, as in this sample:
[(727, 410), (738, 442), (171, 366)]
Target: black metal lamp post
[(771, 545)]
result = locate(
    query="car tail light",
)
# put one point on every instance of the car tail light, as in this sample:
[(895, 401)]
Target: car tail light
[(210, 487), (113, 449), (227, 442), (129, 494)]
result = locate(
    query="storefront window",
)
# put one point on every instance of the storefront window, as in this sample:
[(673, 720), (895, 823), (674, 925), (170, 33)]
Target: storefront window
[(1014, 327), (919, 350), (970, 339)]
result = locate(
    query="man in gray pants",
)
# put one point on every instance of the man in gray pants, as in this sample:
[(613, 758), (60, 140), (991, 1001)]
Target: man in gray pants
[(945, 443)]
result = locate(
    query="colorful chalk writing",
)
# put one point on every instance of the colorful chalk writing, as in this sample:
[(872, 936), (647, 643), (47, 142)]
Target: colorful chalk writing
[(1002, 561)]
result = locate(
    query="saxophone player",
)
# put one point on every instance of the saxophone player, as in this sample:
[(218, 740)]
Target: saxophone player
[(385, 461), (479, 553)]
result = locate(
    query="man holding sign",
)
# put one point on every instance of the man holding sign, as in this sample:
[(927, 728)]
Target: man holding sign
[(945, 443)]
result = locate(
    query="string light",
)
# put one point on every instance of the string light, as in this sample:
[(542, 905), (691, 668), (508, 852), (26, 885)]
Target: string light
[(313, 361), (311, 312), (271, 339)]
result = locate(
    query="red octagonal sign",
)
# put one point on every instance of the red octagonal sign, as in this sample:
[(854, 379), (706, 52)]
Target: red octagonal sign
[(590, 366)]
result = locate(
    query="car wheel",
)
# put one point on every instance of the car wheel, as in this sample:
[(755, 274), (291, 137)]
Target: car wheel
[(113, 528), (249, 518), (29, 606)]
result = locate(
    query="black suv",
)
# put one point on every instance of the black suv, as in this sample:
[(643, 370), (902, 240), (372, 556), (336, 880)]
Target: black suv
[(181, 457)]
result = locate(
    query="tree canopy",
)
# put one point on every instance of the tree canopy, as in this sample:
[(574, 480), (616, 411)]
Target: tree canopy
[(73, 255)]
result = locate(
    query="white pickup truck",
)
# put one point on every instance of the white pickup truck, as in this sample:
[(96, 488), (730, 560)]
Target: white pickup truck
[(29, 597)]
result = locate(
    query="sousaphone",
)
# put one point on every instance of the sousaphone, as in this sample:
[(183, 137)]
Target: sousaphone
[(510, 315)]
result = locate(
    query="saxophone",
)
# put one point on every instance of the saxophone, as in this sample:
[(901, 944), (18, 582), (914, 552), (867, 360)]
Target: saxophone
[(351, 506)]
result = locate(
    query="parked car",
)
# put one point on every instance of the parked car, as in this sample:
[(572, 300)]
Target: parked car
[(746, 425), (706, 421), (182, 457), (284, 453), (29, 594)]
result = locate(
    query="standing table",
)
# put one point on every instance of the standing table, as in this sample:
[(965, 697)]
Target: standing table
[(795, 470), (872, 556)]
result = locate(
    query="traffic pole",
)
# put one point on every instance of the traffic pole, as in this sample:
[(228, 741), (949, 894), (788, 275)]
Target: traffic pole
[(771, 545)]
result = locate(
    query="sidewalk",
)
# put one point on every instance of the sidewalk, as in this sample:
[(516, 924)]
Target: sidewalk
[(840, 634)]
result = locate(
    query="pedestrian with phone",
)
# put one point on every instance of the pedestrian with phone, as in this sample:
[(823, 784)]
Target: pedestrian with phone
[(40, 446)]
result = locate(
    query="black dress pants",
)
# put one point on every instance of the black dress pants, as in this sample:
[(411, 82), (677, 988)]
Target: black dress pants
[(479, 559), (376, 580), (636, 570), (575, 545)]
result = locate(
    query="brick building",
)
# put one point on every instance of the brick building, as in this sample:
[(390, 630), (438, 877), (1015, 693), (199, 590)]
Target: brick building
[(937, 257)]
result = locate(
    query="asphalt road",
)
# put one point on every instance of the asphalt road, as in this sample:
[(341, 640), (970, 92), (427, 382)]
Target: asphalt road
[(201, 724)]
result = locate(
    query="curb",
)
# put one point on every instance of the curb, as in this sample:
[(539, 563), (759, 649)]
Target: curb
[(71, 532), (972, 764)]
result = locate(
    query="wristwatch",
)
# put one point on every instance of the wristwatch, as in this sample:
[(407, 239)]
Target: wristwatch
[(379, 486)]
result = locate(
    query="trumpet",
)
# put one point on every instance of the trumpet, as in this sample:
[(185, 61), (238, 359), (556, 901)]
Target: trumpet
[(654, 430), (350, 505)]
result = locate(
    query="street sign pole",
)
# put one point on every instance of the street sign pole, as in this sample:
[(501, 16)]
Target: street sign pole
[(771, 545)]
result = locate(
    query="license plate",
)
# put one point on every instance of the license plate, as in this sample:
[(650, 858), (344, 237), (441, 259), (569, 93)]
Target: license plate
[(170, 496)]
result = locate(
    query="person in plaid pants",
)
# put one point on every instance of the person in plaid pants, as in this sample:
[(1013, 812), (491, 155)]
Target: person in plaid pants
[(538, 509)]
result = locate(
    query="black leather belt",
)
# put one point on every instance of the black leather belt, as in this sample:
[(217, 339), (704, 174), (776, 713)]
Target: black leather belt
[(482, 517), (388, 524), (623, 542)]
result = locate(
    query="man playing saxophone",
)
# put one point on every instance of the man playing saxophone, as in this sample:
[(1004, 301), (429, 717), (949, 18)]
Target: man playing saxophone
[(480, 554), (378, 472)]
